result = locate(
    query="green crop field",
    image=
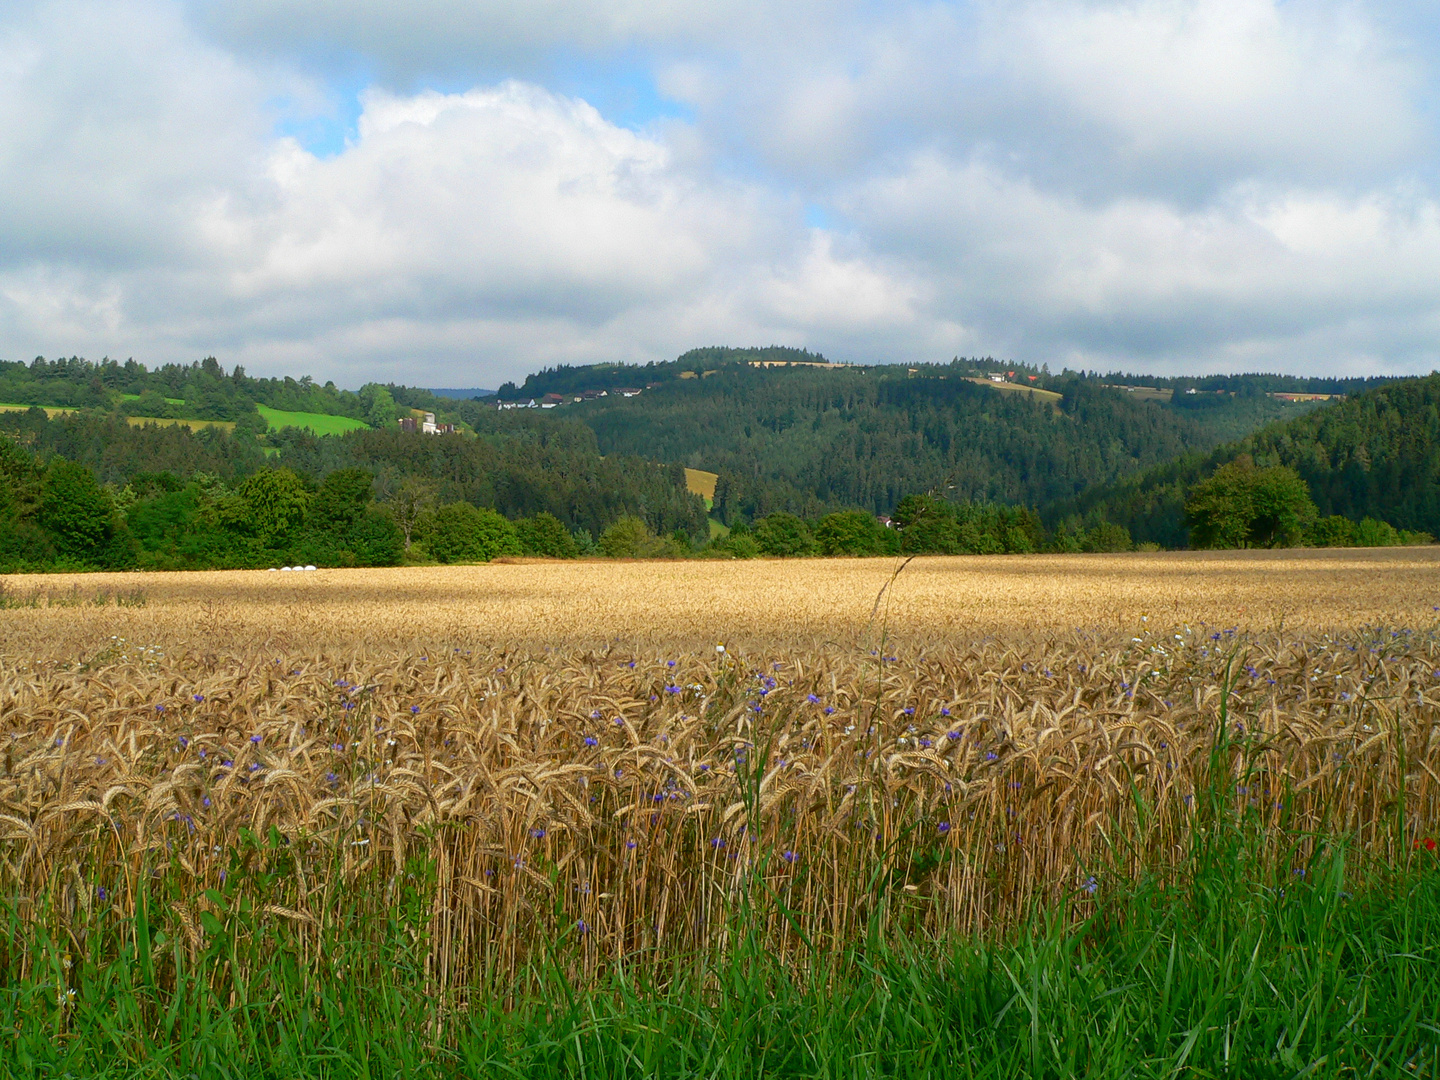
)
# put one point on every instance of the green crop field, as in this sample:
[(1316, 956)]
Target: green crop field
[(136, 397), (319, 423)]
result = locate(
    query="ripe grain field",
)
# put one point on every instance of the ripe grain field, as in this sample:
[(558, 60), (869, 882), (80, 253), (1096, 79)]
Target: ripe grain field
[(692, 604), (552, 767)]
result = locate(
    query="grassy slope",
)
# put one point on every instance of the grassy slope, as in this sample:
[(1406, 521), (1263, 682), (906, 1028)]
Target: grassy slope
[(318, 423)]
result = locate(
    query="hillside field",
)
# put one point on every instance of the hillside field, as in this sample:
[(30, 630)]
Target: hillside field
[(317, 423), (141, 421)]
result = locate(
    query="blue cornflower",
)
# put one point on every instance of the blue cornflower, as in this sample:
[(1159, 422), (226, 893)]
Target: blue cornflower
[(537, 834), (161, 708), (1090, 886), (591, 740), (199, 697), (184, 742), (255, 738), (944, 712), (944, 827), (205, 802), (717, 842), (829, 709), (581, 926), (101, 894), (630, 845), (952, 735), (414, 709), (789, 856)]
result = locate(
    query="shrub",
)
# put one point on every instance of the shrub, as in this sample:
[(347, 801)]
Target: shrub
[(464, 533), (853, 532), (1105, 537), (1373, 533), (626, 538), (1332, 531), (545, 534), (629, 537), (740, 545), (784, 534)]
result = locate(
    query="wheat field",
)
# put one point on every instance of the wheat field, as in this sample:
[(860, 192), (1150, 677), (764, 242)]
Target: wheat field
[(692, 604), (623, 756)]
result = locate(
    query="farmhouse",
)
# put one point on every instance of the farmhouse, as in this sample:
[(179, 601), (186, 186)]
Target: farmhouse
[(425, 423)]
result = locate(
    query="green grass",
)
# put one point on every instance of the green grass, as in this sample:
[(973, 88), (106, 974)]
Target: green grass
[(1217, 971), (136, 397), (318, 423)]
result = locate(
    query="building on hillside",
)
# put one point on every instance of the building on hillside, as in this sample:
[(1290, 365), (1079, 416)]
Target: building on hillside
[(549, 401), (425, 423), (628, 391)]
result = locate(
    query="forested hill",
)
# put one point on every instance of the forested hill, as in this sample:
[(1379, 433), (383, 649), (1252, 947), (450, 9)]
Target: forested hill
[(806, 438), (784, 428), (1373, 455)]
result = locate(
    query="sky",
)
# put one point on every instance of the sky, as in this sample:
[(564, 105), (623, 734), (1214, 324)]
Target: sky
[(457, 192)]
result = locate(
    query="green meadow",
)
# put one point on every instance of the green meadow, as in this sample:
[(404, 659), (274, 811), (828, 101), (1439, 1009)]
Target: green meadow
[(317, 423)]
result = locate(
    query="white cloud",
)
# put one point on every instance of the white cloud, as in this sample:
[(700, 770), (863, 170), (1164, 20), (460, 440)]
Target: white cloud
[(1107, 182), (498, 229), (1281, 277)]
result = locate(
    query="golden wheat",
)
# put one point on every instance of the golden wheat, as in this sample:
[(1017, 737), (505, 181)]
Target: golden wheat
[(690, 603), (939, 767)]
